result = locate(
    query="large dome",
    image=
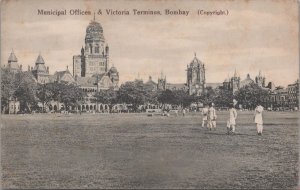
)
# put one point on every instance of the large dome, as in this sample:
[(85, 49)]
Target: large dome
[(94, 30), (113, 69)]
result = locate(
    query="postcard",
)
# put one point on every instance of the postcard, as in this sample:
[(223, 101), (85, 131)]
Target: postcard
[(127, 94)]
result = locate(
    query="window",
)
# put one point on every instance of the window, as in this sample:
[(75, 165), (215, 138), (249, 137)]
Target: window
[(97, 49)]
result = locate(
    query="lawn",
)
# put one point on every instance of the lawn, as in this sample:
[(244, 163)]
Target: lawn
[(137, 151)]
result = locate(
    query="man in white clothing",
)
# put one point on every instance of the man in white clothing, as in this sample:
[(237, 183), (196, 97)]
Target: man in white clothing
[(204, 115), (211, 117), (258, 119), (232, 117)]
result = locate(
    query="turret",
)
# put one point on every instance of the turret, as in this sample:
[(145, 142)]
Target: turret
[(82, 51)]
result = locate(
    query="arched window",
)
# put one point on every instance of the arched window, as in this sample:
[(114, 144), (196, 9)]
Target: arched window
[(91, 48)]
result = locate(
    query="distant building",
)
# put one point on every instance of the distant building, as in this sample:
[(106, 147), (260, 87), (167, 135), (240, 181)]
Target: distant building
[(293, 94), (40, 71), (151, 85), (162, 82), (93, 62), (13, 106), (196, 77), (278, 97), (260, 80), (235, 83)]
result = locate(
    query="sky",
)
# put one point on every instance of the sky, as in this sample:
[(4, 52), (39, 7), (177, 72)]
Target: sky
[(255, 35)]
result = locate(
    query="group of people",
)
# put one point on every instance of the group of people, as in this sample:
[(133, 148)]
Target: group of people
[(210, 117)]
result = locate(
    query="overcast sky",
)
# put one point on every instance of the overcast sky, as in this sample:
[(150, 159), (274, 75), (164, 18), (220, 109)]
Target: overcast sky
[(256, 35)]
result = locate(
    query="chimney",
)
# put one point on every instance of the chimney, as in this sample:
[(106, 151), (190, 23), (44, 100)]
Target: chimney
[(28, 68), (48, 69)]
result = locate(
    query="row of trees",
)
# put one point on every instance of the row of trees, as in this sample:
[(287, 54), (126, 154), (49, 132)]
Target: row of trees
[(23, 87), (137, 93)]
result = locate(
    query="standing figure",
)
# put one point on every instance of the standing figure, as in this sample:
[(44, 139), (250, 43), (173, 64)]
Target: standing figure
[(204, 115), (232, 117), (258, 119), (176, 112), (211, 117), (183, 112)]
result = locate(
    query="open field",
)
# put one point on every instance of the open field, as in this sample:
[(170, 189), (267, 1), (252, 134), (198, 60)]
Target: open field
[(136, 151)]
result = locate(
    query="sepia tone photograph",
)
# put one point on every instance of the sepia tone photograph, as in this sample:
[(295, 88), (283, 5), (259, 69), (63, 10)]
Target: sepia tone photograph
[(149, 94)]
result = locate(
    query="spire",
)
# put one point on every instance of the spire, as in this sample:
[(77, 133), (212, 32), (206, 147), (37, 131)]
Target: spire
[(235, 73), (195, 54), (12, 57), (94, 16), (161, 74), (259, 74)]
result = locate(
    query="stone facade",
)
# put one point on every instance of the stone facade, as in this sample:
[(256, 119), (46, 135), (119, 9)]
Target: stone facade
[(94, 57), (196, 77), (235, 83), (40, 71), (93, 62)]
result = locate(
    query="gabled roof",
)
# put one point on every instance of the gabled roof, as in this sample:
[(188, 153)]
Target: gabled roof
[(86, 81), (104, 82), (150, 82), (63, 75), (99, 75), (29, 74)]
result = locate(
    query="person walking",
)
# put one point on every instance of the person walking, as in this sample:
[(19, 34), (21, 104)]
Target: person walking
[(204, 115), (211, 117), (232, 117), (258, 119)]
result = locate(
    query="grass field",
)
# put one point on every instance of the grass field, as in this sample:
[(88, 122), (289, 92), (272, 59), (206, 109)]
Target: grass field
[(136, 151)]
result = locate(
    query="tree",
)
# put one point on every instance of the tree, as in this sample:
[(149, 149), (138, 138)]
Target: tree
[(208, 96), (251, 95), (8, 87), (182, 98), (69, 94), (132, 93), (166, 97), (223, 97), (26, 91), (105, 96), (20, 86), (45, 93)]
